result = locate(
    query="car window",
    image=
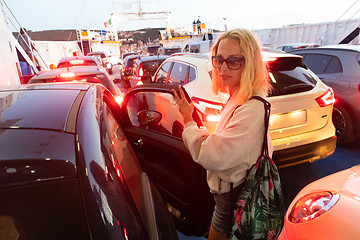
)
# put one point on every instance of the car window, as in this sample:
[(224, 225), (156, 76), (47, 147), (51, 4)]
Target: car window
[(294, 81), (169, 51), (334, 66), (192, 74), (171, 122), (288, 48), (195, 48), (149, 67), (317, 62), (178, 73), (162, 73), (130, 62), (113, 208)]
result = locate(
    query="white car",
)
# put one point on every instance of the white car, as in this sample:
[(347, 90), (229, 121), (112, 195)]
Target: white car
[(301, 127), (327, 208)]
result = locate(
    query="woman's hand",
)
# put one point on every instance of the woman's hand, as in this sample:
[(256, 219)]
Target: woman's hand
[(186, 109)]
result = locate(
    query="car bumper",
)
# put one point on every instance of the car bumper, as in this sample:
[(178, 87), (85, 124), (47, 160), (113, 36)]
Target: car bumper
[(305, 153)]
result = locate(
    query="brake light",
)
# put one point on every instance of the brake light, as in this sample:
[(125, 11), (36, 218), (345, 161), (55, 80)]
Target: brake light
[(67, 75), (139, 83), (270, 59), (141, 71), (326, 99), (209, 110), (312, 206), (119, 99), (77, 62)]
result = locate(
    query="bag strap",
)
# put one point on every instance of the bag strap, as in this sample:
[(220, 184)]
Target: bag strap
[(265, 148), (267, 107)]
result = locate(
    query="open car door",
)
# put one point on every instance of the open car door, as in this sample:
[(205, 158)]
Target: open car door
[(153, 125)]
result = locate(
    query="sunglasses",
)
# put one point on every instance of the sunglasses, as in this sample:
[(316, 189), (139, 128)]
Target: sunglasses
[(233, 63)]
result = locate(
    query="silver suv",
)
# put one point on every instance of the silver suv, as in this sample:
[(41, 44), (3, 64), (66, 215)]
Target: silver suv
[(339, 67), (300, 123)]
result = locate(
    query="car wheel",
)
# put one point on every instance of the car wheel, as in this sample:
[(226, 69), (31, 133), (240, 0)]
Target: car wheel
[(344, 127)]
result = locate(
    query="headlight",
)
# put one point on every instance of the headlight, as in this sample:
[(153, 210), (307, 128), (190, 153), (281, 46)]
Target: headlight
[(313, 205)]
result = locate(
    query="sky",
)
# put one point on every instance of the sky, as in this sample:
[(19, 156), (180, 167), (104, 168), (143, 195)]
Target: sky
[(38, 15)]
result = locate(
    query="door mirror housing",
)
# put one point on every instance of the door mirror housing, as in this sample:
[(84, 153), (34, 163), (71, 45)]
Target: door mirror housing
[(148, 117)]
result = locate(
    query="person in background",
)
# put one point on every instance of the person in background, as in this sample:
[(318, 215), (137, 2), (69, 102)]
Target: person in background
[(198, 23), (228, 154)]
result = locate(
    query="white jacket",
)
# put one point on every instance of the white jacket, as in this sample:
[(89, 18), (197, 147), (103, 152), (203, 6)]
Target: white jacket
[(235, 146)]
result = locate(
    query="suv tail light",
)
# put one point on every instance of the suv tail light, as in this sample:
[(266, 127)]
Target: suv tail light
[(326, 99), (141, 71), (209, 110), (312, 206)]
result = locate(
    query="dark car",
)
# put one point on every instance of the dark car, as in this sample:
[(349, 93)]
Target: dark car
[(68, 171), (127, 69), (105, 59), (339, 67), (88, 74), (79, 61), (168, 50), (144, 68), (150, 50)]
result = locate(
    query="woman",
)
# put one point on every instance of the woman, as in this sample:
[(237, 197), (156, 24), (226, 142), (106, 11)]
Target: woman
[(228, 153)]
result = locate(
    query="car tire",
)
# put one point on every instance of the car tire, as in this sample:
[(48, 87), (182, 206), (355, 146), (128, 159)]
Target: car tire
[(343, 123)]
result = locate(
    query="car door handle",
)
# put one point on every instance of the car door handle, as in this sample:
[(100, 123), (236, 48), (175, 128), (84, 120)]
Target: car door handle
[(139, 142)]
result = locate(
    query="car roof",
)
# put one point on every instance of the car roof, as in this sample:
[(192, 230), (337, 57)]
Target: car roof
[(39, 106), (67, 59), (342, 46), (349, 47), (76, 69), (144, 58), (133, 56)]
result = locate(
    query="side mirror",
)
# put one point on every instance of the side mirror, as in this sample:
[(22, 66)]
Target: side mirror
[(148, 118)]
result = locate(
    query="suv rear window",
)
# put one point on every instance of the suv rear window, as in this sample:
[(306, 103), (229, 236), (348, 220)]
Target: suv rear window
[(290, 75), (152, 49), (170, 51), (150, 67)]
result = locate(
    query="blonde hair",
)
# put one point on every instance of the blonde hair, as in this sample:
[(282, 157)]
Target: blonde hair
[(254, 75)]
